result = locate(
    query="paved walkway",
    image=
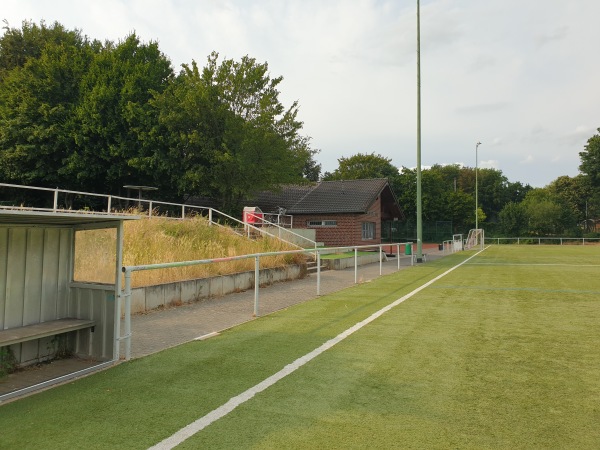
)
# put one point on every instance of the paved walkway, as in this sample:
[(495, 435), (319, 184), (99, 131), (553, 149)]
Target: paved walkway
[(160, 329)]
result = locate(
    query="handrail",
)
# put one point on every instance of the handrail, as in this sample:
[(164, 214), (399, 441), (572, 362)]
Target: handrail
[(151, 203), (128, 270), (263, 221)]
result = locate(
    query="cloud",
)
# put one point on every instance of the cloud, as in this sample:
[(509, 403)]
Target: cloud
[(528, 160), (558, 34)]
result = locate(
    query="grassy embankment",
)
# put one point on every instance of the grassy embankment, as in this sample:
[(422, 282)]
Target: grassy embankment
[(161, 240)]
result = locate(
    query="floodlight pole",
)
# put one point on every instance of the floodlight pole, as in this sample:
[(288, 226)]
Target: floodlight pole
[(419, 254), (476, 187)]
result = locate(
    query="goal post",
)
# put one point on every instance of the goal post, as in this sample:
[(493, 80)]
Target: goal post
[(475, 239), (457, 243)]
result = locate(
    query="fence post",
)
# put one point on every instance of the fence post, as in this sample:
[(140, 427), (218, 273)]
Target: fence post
[(256, 284), (55, 199), (127, 329), (150, 209), (398, 255), (318, 273), (109, 203), (380, 260), (183, 211), (210, 216), (355, 265)]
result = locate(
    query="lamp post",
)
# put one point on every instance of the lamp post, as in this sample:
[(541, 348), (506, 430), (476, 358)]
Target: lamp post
[(476, 187), (419, 254)]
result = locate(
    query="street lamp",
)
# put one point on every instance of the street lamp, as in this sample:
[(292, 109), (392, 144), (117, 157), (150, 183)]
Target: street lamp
[(419, 254), (476, 188)]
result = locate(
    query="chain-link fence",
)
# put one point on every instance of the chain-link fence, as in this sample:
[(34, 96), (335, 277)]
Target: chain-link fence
[(406, 231)]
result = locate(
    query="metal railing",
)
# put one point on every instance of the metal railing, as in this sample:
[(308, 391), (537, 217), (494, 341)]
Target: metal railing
[(541, 240), (150, 208), (126, 294)]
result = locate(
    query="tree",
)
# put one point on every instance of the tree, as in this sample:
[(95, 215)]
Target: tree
[(114, 116), (38, 94), (74, 113), (19, 45), (363, 166), (224, 133), (513, 220), (575, 192), (547, 214), (590, 160)]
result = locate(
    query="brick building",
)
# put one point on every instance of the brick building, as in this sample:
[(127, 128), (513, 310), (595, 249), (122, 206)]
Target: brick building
[(348, 212)]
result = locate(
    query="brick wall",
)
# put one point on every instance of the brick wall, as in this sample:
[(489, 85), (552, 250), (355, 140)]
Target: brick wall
[(348, 230)]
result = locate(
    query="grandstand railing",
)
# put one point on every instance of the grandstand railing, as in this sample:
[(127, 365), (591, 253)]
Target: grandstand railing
[(152, 208)]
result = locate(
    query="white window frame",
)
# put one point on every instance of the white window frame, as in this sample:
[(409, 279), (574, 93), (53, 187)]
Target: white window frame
[(368, 231), (321, 223)]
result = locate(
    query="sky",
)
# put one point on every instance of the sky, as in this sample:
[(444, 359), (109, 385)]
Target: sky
[(521, 77)]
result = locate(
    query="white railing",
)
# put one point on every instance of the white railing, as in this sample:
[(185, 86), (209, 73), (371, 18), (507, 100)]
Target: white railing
[(152, 207), (283, 233), (125, 295), (541, 240)]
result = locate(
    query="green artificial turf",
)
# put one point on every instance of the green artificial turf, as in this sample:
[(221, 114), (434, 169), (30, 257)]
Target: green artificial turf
[(501, 353)]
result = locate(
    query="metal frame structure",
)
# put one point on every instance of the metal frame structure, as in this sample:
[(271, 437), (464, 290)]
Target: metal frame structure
[(37, 286)]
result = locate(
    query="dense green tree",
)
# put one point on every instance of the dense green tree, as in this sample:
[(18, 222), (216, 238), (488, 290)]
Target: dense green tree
[(19, 45), (494, 190), (513, 220), (90, 116), (576, 193), (548, 214), (227, 134), (38, 96), (114, 116), (590, 160), (363, 166)]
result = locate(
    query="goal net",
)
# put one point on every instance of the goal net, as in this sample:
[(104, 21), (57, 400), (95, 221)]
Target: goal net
[(475, 239)]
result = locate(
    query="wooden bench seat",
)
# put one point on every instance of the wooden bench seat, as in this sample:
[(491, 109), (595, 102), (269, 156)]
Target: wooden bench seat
[(42, 330)]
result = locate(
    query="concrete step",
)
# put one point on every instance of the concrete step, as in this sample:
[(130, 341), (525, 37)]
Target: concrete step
[(311, 266)]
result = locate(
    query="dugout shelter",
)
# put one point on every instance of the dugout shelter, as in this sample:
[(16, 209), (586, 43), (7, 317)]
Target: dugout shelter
[(44, 310)]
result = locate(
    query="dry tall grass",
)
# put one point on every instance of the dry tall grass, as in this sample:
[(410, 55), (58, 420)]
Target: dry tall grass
[(160, 240)]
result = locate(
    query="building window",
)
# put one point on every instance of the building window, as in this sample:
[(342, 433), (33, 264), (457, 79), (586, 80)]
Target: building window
[(322, 223), (368, 230)]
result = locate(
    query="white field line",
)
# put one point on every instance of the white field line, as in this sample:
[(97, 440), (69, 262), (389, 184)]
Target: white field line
[(198, 425), (533, 264)]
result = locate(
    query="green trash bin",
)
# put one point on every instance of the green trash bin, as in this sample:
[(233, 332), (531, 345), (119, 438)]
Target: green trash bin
[(408, 249)]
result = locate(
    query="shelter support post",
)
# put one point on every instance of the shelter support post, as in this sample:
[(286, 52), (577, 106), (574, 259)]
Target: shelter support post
[(355, 265), (256, 283)]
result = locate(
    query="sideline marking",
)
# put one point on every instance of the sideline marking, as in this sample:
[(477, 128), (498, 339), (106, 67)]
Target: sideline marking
[(198, 425), (533, 264), (207, 336)]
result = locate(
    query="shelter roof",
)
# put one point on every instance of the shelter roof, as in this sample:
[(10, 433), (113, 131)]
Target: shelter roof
[(62, 218)]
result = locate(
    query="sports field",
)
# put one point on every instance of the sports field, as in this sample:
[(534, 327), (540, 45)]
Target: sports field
[(500, 350)]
